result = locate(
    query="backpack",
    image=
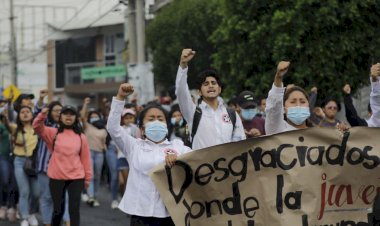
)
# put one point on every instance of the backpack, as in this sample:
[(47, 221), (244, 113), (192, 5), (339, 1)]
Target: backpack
[(197, 119)]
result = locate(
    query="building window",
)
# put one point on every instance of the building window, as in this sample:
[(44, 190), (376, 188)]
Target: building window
[(68, 51)]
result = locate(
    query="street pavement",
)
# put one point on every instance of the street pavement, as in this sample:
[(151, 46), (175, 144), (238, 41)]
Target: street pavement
[(95, 216)]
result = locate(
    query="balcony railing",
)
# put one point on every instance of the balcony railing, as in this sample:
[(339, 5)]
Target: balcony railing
[(73, 74)]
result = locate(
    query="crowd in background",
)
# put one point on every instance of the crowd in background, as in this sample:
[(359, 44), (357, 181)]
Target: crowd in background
[(30, 127)]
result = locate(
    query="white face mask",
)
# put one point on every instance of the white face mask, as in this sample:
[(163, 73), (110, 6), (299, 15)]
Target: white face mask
[(166, 107)]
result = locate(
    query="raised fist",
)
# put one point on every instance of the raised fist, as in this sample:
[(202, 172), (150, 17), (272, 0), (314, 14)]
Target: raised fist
[(186, 56), (87, 100), (125, 90), (375, 71), (43, 93), (45, 111), (282, 68)]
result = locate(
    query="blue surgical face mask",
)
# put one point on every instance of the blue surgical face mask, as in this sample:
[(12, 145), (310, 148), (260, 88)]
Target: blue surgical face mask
[(174, 120), (156, 131), (298, 115), (248, 114), (92, 120)]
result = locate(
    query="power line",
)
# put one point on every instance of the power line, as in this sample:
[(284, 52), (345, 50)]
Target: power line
[(103, 15), (62, 26), (53, 46)]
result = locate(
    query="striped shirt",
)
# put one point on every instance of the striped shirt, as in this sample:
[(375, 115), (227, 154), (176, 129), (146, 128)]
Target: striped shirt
[(43, 155)]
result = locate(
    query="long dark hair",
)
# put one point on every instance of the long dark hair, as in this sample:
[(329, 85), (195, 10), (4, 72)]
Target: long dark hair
[(51, 106), (93, 112), (171, 127), (99, 124), (146, 109), (76, 127), (20, 125), (290, 91), (293, 89)]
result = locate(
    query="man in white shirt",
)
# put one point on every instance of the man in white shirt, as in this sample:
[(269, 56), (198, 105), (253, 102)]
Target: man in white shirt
[(215, 125)]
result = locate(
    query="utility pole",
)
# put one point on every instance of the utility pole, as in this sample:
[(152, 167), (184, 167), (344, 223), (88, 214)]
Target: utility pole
[(140, 28), (131, 26), (13, 46)]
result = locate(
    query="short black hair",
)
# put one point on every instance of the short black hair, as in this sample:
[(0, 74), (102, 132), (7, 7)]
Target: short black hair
[(93, 112), (233, 101), (201, 78), (327, 100), (173, 109), (369, 109)]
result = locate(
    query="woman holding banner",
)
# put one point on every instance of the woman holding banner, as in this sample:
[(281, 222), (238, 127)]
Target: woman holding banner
[(141, 198)]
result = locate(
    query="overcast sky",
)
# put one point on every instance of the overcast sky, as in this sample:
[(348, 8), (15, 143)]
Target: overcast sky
[(31, 17)]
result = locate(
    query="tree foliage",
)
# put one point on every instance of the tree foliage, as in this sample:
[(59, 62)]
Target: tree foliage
[(182, 24), (329, 43)]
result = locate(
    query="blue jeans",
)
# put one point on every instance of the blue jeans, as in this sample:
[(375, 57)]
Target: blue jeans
[(5, 168), (46, 202), (97, 164), (111, 157), (27, 186)]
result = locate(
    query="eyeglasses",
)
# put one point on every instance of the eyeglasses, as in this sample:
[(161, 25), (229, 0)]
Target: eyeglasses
[(332, 108), (57, 111)]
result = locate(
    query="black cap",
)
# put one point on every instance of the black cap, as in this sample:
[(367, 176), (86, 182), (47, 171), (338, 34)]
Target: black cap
[(69, 108), (246, 100), (17, 103)]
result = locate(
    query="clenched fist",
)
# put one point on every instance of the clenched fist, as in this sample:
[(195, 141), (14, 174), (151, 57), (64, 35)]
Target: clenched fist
[(45, 111), (375, 72), (87, 100), (282, 68), (186, 56), (125, 90)]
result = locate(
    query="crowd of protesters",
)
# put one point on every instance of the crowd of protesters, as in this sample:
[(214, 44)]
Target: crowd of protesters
[(71, 146)]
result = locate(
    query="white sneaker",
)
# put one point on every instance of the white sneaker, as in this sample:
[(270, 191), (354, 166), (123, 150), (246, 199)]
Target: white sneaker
[(95, 203), (18, 217), (114, 204), (32, 220), (11, 215), (24, 223), (3, 213), (85, 198)]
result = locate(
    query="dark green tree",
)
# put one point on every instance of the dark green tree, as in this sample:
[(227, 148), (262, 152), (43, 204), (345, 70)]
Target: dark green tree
[(182, 24), (329, 43)]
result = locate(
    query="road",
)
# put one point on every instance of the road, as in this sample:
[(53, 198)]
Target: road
[(98, 216)]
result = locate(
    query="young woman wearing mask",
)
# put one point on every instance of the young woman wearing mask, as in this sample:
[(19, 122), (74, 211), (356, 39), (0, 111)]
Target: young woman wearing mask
[(70, 167), (141, 199), (294, 103), (178, 126), (96, 133)]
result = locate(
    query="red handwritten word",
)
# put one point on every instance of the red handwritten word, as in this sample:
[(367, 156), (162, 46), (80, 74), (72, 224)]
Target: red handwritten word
[(338, 195)]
